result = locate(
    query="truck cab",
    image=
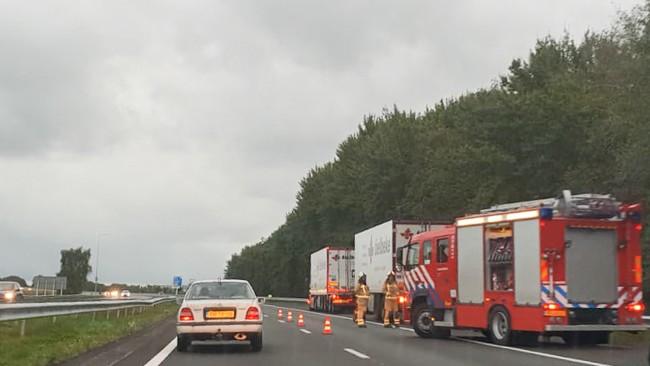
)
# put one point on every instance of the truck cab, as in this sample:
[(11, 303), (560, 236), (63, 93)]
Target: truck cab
[(426, 272)]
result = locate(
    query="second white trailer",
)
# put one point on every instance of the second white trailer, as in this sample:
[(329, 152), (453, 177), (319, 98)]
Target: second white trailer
[(374, 253)]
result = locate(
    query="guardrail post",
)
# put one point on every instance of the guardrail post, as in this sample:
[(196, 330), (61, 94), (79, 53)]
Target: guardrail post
[(22, 327), (94, 315), (54, 320), (108, 314), (141, 309), (118, 313)]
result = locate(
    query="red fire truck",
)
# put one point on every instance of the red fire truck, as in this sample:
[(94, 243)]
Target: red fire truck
[(567, 266)]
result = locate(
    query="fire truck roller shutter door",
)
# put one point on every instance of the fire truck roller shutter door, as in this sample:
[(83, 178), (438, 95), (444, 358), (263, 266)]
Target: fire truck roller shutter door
[(527, 262), (591, 265), (470, 264)]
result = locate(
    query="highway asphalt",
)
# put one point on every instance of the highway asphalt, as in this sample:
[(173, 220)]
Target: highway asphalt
[(286, 344)]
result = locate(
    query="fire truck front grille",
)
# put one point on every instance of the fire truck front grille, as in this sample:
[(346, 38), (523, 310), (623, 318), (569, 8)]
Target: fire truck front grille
[(592, 316)]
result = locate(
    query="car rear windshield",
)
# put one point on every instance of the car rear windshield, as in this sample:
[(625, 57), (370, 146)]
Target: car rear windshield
[(220, 290), (6, 286)]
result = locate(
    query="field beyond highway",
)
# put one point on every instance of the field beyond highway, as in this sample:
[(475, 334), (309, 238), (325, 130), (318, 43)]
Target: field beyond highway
[(53, 339)]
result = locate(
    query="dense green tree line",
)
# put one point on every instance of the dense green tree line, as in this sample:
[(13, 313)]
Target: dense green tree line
[(572, 115)]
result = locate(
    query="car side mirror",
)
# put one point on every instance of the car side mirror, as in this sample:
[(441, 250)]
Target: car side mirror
[(261, 300)]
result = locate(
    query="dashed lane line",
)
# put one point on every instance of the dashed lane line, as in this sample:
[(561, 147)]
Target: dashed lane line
[(514, 349), (356, 353), (163, 354), (541, 354)]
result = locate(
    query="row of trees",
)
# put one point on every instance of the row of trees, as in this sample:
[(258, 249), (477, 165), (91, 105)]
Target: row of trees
[(572, 115), (75, 266)]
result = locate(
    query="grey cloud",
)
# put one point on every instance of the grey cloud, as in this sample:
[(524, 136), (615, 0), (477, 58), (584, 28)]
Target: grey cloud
[(182, 129)]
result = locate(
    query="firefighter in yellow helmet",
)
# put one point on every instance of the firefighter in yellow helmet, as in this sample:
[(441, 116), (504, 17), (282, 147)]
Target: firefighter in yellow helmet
[(362, 294), (391, 296)]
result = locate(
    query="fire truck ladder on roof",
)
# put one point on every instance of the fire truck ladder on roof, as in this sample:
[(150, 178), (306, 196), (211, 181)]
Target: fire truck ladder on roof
[(588, 205)]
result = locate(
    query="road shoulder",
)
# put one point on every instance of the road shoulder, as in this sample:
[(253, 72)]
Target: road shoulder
[(134, 349)]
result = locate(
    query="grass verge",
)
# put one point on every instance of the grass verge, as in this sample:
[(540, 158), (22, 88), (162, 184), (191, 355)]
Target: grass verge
[(47, 341)]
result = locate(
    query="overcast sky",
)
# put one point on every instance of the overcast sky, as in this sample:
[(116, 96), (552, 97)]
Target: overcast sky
[(180, 130)]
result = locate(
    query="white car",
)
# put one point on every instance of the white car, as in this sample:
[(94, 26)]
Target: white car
[(125, 293), (225, 310)]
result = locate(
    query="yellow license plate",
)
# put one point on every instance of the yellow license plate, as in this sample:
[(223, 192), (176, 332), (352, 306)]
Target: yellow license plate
[(220, 314)]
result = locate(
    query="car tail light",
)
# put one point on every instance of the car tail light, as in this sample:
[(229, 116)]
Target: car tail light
[(186, 315), (635, 307), (253, 313), (402, 299)]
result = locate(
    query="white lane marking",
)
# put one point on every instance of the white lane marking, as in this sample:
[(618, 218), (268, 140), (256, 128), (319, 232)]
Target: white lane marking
[(281, 321), (126, 355), (356, 353), (305, 331), (163, 354), (266, 315), (541, 354)]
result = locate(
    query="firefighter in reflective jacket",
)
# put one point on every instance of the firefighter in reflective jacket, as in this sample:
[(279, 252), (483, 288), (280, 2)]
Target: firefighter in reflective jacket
[(362, 293), (391, 296)]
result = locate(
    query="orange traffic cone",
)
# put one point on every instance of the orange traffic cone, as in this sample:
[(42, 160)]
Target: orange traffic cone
[(327, 326), (301, 320), (289, 316), (279, 313)]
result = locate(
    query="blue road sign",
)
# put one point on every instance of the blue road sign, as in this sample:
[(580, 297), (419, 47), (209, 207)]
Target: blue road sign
[(178, 281)]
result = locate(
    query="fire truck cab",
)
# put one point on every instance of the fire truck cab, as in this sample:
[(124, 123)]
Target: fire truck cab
[(567, 266)]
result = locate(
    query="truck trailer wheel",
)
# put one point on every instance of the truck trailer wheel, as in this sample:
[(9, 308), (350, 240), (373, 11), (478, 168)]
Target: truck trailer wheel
[(378, 308), (499, 327)]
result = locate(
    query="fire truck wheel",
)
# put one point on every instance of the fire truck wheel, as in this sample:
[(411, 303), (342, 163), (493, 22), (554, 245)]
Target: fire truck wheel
[(422, 321), (423, 326), (499, 327)]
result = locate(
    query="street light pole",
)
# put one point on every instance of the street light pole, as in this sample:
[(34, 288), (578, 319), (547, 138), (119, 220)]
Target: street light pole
[(97, 235), (96, 261)]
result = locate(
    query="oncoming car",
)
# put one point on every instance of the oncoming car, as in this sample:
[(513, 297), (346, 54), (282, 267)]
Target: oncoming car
[(10, 291), (225, 310)]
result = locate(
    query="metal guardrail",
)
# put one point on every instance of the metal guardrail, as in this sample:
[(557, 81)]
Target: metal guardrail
[(38, 310)]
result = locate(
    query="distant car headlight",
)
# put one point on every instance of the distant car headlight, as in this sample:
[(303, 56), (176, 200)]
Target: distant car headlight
[(114, 293), (10, 295)]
